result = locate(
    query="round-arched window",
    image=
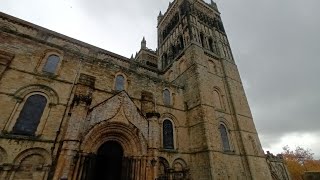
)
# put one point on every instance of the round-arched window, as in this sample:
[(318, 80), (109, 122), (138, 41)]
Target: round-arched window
[(30, 115), (120, 80), (168, 142), (166, 97), (51, 64), (224, 137)]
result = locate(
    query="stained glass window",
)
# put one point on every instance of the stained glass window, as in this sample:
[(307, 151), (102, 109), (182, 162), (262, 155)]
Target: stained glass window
[(167, 135), (119, 83), (224, 138), (30, 115), (51, 64)]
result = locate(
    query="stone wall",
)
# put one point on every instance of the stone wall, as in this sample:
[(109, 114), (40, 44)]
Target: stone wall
[(213, 133)]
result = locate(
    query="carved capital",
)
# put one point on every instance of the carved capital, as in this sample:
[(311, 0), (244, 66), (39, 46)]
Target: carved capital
[(79, 98)]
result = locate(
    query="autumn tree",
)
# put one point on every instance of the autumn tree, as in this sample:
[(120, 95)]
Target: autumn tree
[(299, 160)]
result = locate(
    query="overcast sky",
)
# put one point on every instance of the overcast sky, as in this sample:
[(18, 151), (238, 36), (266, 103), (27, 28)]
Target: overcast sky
[(275, 44)]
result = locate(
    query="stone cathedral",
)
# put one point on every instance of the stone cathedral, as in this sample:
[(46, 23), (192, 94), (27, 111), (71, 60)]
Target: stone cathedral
[(73, 111)]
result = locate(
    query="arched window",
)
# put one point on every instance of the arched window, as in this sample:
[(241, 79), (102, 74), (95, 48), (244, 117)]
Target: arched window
[(202, 39), (167, 135), (173, 49), (224, 137), (51, 64), (181, 42), (163, 169), (211, 45), (120, 83), (30, 115), (165, 60), (212, 67), (216, 47), (217, 100), (166, 97)]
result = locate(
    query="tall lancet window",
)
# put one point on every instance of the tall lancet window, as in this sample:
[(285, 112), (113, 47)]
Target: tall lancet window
[(30, 115), (168, 142)]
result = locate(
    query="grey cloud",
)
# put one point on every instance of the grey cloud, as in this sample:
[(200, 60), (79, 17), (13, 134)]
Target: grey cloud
[(128, 20), (275, 44)]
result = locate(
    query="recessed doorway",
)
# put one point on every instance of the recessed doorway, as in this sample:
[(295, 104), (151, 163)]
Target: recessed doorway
[(109, 161)]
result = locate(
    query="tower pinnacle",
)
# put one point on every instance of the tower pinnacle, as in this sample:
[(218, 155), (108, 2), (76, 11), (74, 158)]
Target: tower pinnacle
[(143, 43)]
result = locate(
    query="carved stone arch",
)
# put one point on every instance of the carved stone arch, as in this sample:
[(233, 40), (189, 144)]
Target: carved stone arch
[(164, 161), (212, 66), (170, 117), (218, 98), (52, 51), (226, 123), (179, 162), (163, 168), (128, 136), (44, 59), (51, 94), (32, 163), (33, 151), (3, 155), (7, 26)]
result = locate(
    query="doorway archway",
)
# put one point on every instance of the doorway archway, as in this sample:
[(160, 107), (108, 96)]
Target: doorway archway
[(109, 161)]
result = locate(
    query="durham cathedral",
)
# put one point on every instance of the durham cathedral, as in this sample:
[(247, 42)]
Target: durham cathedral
[(73, 111)]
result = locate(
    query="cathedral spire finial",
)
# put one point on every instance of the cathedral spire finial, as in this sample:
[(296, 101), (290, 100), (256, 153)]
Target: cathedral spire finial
[(213, 4), (143, 43)]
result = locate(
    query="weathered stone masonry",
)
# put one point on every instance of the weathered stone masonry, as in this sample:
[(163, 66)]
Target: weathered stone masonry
[(69, 108)]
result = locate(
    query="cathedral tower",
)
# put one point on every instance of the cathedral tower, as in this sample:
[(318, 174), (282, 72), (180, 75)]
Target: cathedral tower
[(195, 53), (70, 110)]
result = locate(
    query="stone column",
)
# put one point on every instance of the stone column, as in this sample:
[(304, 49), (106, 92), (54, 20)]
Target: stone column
[(5, 169), (71, 140), (154, 144)]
